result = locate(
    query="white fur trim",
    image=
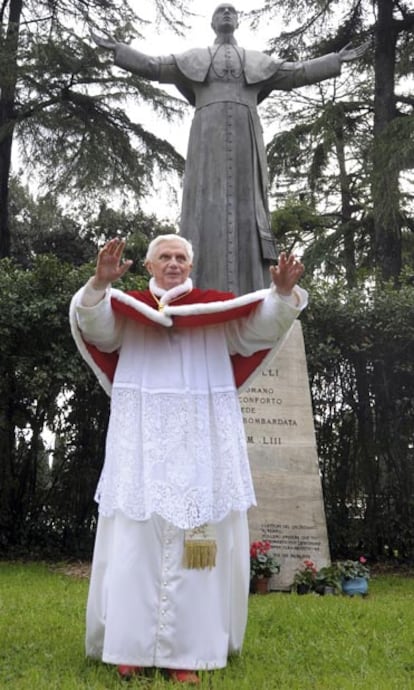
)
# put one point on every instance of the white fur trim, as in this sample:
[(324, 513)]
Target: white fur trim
[(214, 307), (158, 317), (77, 336), (168, 295), (163, 318)]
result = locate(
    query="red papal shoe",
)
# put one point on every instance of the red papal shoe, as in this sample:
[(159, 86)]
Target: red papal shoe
[(183, 676), (128, 671)]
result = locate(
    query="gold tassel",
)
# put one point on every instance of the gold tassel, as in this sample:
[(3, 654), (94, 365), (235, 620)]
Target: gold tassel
[(200, 548)]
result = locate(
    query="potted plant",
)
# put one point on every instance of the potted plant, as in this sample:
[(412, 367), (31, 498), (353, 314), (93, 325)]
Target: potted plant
[(263, 565), (328, 580), (304, 580), (354, 576)]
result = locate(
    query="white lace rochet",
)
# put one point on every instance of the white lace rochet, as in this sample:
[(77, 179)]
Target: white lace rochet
[(190, 467), (176, 444)]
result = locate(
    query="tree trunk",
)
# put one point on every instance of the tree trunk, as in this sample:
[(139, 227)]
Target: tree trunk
[(8, 460), (346, 197), (385, 176), (8, 78)]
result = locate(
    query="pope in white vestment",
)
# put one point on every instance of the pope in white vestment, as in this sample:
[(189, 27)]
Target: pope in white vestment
[(172, 358)]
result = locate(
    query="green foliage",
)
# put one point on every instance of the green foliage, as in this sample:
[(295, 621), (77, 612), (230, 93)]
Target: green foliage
[(41, 226), (297, 226), (46, 390), (138, 228), (340, 142), (328, 576), (362, 377), (71, 117), (65, 104), (39, 371), (322, 161), (350, 569), (46, 494)]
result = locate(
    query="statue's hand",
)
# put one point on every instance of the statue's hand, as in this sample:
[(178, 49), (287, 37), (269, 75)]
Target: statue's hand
[(347, 53), (108, 43)]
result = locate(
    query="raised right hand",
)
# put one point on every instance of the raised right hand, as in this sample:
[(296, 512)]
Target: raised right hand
[(109, 264)]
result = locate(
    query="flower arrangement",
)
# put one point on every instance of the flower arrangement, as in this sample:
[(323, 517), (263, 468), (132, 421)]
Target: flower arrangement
[(262, 561), (306, 577), (348, 570), (310, 579)]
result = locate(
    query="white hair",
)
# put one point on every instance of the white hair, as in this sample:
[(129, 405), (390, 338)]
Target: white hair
[(168, 238)]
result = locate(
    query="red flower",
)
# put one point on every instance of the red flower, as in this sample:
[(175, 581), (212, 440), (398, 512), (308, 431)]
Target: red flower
[(262, 562), (309, 565), (259, 547)]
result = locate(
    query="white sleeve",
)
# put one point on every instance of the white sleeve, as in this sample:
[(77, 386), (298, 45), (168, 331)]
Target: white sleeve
[(267, 325), (96, 319)]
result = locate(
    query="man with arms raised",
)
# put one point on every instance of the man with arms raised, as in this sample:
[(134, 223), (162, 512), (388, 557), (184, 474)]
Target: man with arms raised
[(170, 575)]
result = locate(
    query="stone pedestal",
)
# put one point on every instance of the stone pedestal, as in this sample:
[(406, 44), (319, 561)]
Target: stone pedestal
[(278, 420)]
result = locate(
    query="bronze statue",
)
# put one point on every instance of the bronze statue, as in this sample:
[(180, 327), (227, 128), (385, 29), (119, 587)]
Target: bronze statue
[(225, 206)]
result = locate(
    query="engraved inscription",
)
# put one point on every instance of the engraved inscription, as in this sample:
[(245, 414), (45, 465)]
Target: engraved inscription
[(264, 440), (260, 400), (271, 373), (296, 542), (271, 440), (277, 414)]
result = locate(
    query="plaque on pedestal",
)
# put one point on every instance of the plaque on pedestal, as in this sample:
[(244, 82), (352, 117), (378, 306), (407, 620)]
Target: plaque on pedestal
[(278, 420)]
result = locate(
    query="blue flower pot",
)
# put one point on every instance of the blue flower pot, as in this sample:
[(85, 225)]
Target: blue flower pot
[(357, 585)]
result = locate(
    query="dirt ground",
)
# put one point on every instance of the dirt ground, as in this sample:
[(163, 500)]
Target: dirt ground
[(79, 569)]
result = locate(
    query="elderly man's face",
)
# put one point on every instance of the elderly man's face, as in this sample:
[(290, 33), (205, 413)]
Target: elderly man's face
[(170, 265), (225, 19)]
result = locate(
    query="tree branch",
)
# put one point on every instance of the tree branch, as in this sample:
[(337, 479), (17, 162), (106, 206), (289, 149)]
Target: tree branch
[(3, 9), (405, 24), (408, 100)]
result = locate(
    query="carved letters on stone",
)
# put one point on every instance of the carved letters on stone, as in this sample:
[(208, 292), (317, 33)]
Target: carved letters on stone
[(278, 419)]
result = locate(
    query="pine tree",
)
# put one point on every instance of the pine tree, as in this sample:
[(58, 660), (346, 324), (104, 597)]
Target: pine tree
[(64, 104), (386, 107)]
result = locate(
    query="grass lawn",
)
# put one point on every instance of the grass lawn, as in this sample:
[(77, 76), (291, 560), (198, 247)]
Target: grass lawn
[(292, 643)]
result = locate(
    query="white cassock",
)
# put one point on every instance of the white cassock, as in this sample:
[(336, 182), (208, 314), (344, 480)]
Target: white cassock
[(176, 457)]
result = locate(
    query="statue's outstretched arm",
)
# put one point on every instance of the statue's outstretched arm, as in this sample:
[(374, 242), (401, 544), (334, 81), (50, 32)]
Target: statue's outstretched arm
[(346, 54), (130, 59)]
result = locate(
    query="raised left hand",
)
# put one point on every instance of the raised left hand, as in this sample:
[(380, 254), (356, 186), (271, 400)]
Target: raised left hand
[(286, 274)]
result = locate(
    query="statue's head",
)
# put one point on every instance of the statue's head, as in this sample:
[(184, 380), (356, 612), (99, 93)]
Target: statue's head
[(225, 19)]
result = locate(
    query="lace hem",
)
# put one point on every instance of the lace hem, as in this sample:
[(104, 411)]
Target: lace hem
[(181, 455)]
